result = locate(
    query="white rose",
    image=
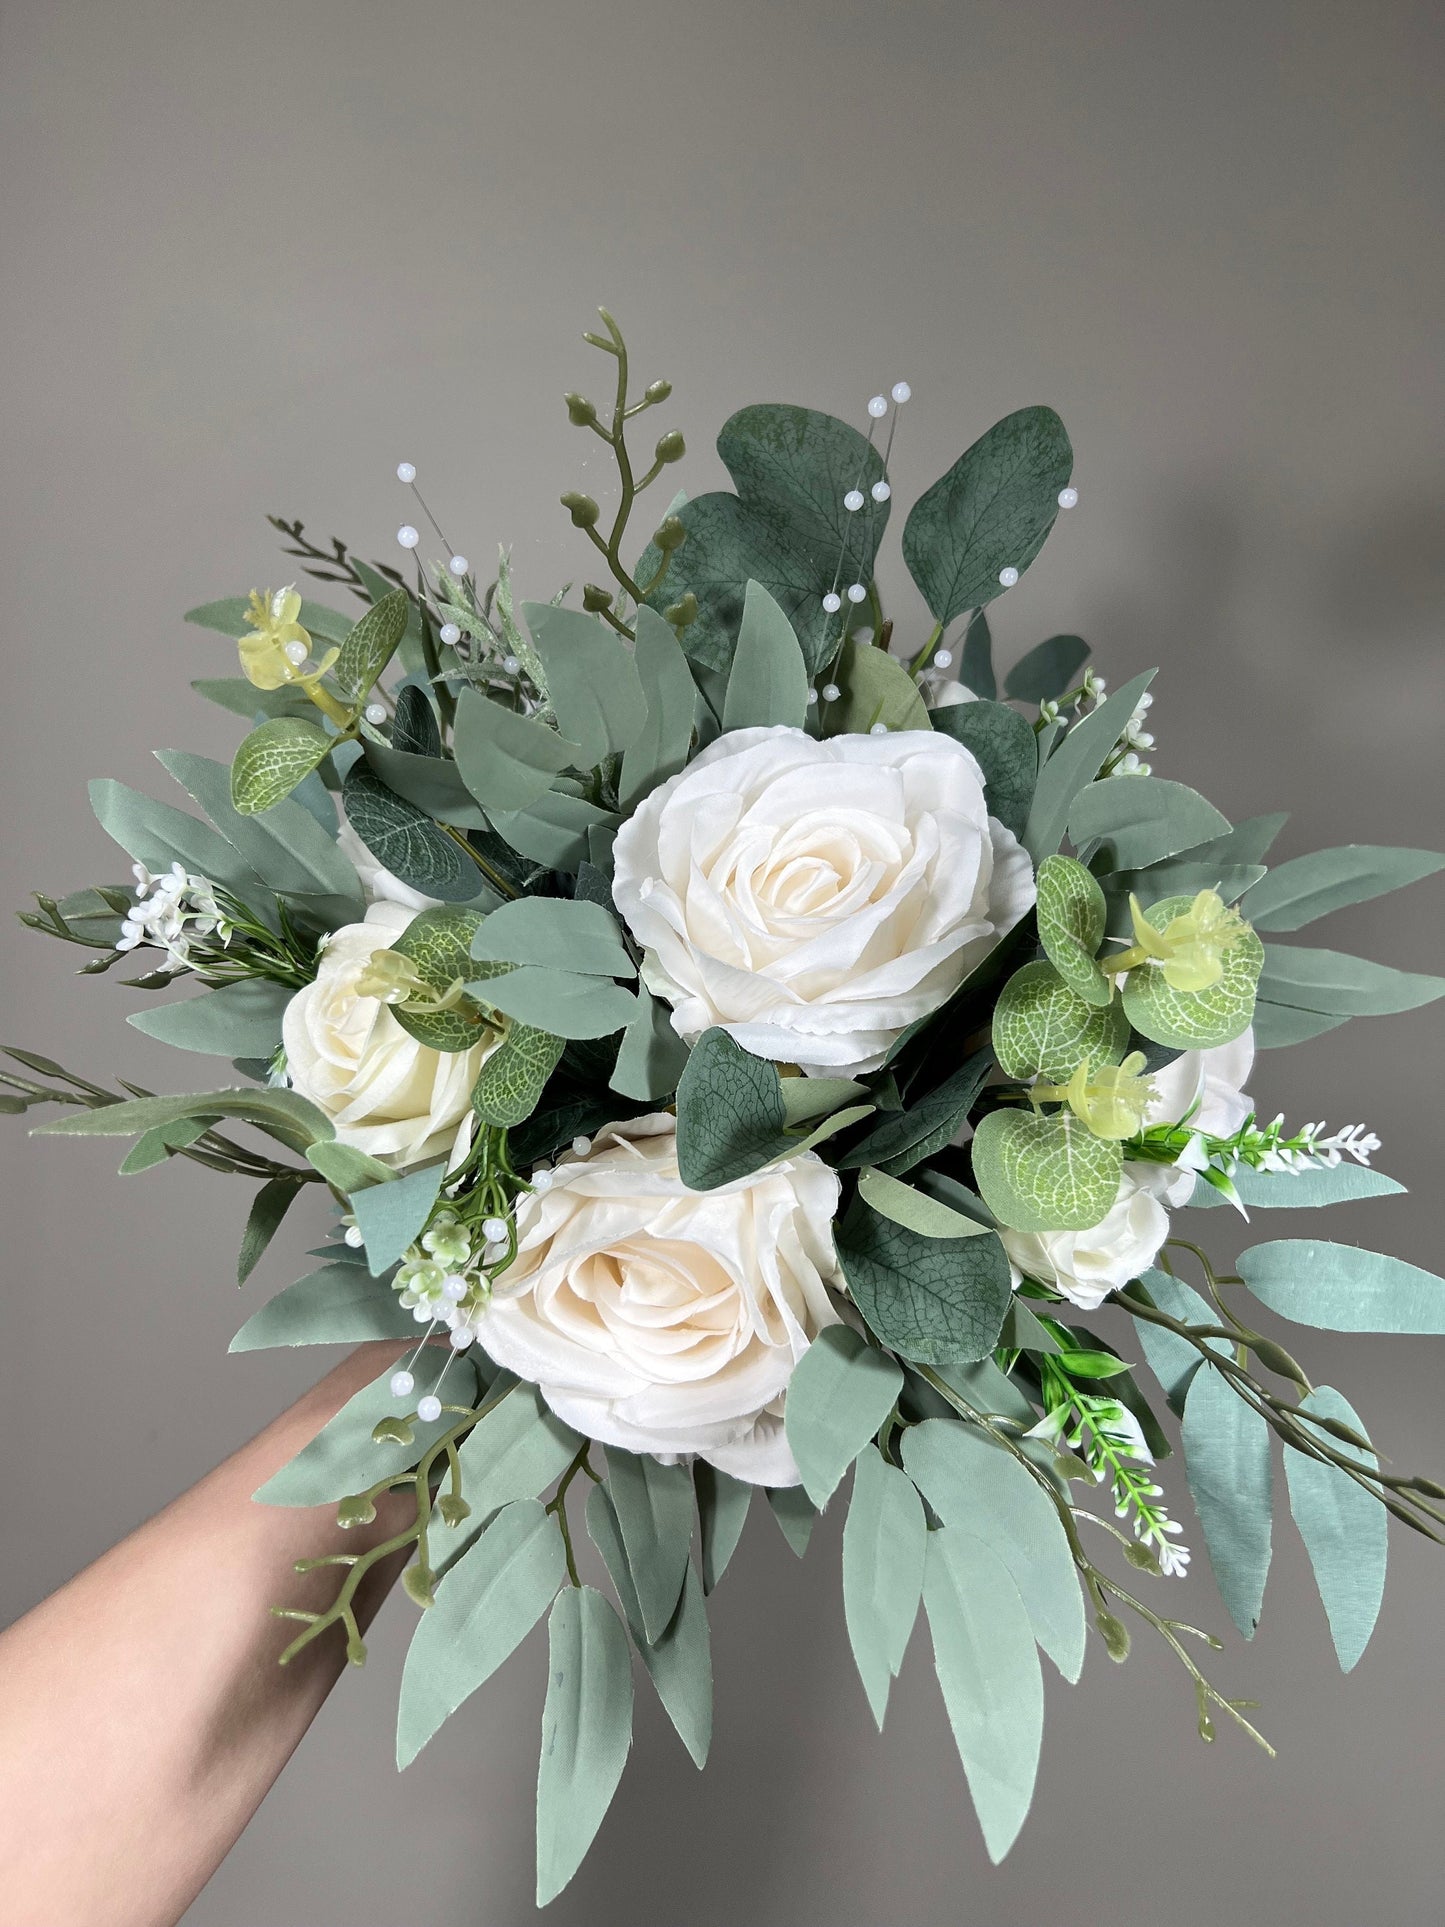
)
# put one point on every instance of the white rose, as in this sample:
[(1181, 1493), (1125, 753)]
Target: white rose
[(378, 885), (1212, 1080), (1087, 1265), (666, 1320), (386, 1093), (814, 898)]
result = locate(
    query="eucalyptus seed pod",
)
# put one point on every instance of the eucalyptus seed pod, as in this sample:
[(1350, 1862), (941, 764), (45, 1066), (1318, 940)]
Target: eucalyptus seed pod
[(656, 391), (671, 535), (580, 411), (671, 447), (583, 510), (595, 598), (682, 613)]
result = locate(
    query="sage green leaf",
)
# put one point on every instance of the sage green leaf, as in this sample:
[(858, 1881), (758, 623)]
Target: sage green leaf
[(155, 1146), (654, 1507), (1195, 1019), (371, 643), (975, 662), (1006, 750), (243, 698), (1044, 1028), (679, 1661), (1248, 842), (268, 1208), (884, 1544), (272, 760), (1173, 1360), (722, 1510), (516, 1450), (1049, 670), (288, 849), (841, 1391), (228, 618), (1276, 1025), (767, 680), (344, 1457), (1296, 893), (937, 1301), (1071, 917), (807, 1098), (338, 1305), (1074, 764), (506, 760), (651, 1056), (1340, 985), (730, 1115), (991, 511), (392, 1216), (485, 1607), (405, 840), (1226, 1454), (976, 1485), (544, 930), (562, 1002), (786, 528), (1041, 1172), (795, 1513), (1301, 1190), (1340, 1288), (1139, 820), (414, 726), (907, 1137), (984, 1387), (283, 1114), (556, 830), (511, 1081), (158, 835), (1344, 1529), (591, 679), (237, 1020), (876, 688), (586, 1732), (1175, 877), (438, 945), (433, 784), (915, 1210), (660, 748), (983, 1651), (347, 1168)]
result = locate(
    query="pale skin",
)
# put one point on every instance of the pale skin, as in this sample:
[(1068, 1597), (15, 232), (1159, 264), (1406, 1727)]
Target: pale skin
[(143, 1716)]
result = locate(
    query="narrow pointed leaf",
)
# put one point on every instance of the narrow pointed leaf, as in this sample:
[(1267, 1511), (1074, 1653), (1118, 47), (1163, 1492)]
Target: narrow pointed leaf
[(654, 1506), (586, 1732), (884, 1543), (1226, 1454), (841, 1391), (1344, 1529)]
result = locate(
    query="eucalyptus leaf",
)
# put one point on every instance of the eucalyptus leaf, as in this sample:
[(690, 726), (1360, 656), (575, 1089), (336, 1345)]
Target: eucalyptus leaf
[(1340, 1288), (1049, 670), (651, 1056), (1276, 1025), (1248, 842), (542, 930), (556, 831), (983, 1650), (1340, 985), (730, 1115), (347, 1168), (1074, 764), (1043, 1028), (915, 1210), (1139, 820), (283, 1114), (1304, 1190), (243, 698), (228, 618), (767, 679), (1071, 917), (287, 848), (1172, 1359), (586, 1732), (992, 511), (272, 760), (371, 643), (242, 1019), (654, 1506), (391, 1216), (1195, 1019), (1226, 1454), (563, 1002), (884, 1544), (841, 1391), (660, 748), (1298, 892), (268, 1208), (508, 761), (722, 1508), (1344, 1528), (340, 1304), (432, 783), (908, 1137), (1006, 750), (516, 1450), (1044, 1172), (975, 1484), (485, 1607), (876, 688), (510, 1083), (592, 680), (937, 1301), (405, 840), (975, 662), (158, 835), (795, 1513)]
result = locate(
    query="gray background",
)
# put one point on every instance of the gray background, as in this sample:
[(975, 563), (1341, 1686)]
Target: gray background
[(254, 255)]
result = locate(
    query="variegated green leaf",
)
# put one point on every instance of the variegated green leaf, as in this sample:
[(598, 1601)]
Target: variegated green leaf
[(372, 643), (1040, 1172), (1071, 916), (1042, 1028), (272, 760), (438, 944), (1194, 1019), (512, 1078)]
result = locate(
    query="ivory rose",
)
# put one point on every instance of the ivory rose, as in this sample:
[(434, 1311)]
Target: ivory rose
[(1087, 1265), (386, 1093), (666, 1320), (814, 897)]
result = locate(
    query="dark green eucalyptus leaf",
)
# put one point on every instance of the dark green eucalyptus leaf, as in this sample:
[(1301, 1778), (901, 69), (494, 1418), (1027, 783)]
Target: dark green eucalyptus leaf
[(937, 1301)]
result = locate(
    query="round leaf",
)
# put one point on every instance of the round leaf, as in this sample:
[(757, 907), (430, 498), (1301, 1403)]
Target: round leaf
[(1044, 1173), (1042, 1028), (1198, 1019)]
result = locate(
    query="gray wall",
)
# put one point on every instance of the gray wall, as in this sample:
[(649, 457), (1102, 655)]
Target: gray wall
[(253, 255)]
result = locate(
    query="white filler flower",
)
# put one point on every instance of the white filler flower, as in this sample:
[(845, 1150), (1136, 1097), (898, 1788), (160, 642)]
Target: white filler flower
[(814, 898), (666, 1320), (386, 1093)]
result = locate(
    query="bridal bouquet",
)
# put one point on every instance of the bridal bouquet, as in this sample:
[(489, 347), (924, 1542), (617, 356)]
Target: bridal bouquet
[(745, 1045)]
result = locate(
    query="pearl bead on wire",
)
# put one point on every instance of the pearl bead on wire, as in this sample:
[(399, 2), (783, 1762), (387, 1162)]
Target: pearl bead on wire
[(407, 536), (459, 566), (857, 592), (832, 602), (1068, 498), (880, 491), (901, 391), (450, 633), (406, 472), (878, 407), (429, 1409), (1008, 577), (401, 1384), (376, 714), (943, 659)]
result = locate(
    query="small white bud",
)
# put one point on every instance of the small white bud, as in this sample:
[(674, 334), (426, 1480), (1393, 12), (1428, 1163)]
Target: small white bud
[(429, 1409), (407, 536), (1008, 576), (405, 472), (354, 1237)]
